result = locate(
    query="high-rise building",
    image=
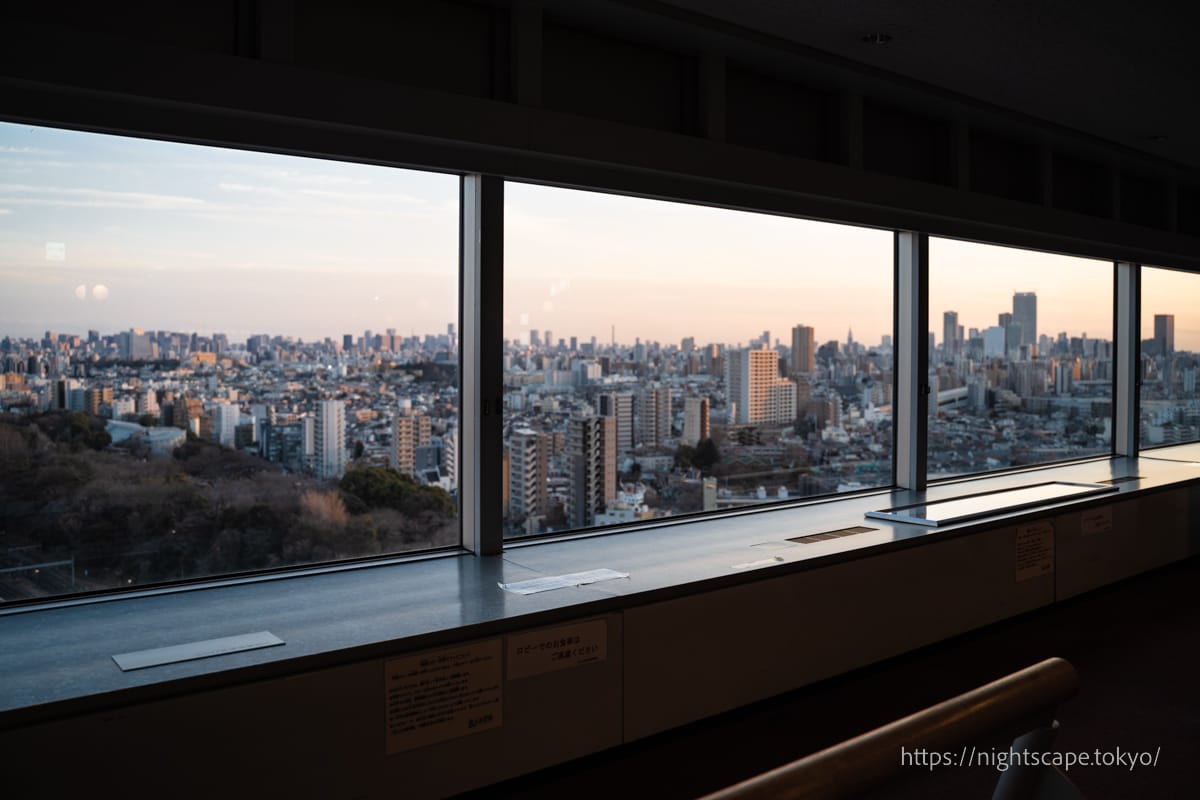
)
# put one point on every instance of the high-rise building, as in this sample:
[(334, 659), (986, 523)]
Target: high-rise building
[(994, 342), (187, 413), (1164, 334), (591, 453), (96, 397), (291, 444), (950, 335), (450, 455), (124, 407), (695, 420), (412, 431), (137, 345), (225, 420), (654, 416), (804, 350), (753, 384), (528, 473), (1024, 313), (620, 407), (330, 434)]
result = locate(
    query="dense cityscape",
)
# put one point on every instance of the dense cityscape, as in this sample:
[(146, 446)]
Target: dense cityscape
[(145, 456), (596, 433)]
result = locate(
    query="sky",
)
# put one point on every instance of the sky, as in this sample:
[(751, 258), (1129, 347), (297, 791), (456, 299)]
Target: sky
[(108, 233), (1074, 295)]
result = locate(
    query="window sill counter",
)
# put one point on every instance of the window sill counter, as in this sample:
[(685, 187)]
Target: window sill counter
[(57, 658)]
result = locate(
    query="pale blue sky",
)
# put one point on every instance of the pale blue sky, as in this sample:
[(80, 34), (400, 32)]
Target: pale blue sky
[(189, 238), (212, 239)]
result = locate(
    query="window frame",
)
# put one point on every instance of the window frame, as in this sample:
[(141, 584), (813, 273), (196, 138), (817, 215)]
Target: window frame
[(497, 266), (480, 461), (286, 570), (1119, 413), (1135, 370)]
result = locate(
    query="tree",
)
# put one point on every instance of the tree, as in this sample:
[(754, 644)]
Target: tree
[(388, 488), (685, 456), (706, 454)]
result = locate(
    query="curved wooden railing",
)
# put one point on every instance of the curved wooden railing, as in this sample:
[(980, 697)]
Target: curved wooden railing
[(1020, 705)]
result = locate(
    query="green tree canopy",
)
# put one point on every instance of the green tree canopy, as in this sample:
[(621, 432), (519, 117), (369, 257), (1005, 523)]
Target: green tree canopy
[(381, 487), (706, 454)]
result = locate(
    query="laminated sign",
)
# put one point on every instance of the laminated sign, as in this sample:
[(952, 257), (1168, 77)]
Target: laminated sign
[(443, 694)]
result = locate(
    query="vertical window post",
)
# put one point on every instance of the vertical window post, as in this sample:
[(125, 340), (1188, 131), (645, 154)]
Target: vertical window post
[(481, 361), (1127, 328), (911, 398)]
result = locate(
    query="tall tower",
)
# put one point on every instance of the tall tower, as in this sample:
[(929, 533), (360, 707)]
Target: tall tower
[(695, 420), (412, 431), (450, 455), (225, 420), (330, 434), (752, 382), (1024, 313), (1164, 334), (654, 416), (591, 452), (620, 407), (528, 471), (950, 335), (804, 350)]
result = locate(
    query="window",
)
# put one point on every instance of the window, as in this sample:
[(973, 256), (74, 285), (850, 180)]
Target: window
[(1020, 358), (1169, 406), (216, 361), (664, 359)]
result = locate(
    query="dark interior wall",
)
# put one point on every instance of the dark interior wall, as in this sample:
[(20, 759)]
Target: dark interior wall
[(781, 116), (1004, 167), (620, 96), (447, 46), (622, 81)]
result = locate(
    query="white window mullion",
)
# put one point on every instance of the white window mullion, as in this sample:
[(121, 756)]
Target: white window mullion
[(911, 398), (481, 357), (1127, 326)]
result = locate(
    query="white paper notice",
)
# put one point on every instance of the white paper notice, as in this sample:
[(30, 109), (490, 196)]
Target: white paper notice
[(443, 694), (1035, 550), (762, 562), (558, 648), (1096, 520), (535, 585)]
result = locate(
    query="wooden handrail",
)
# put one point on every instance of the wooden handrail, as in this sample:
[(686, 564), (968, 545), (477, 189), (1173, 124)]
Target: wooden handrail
[(1027, 697)]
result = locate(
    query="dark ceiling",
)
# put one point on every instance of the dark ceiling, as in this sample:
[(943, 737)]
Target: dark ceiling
[(1122, 71)]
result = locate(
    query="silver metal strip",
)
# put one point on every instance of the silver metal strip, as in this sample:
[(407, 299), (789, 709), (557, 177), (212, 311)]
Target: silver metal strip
[(481, 362), (141, 659), (1127, 334), (911, 395)]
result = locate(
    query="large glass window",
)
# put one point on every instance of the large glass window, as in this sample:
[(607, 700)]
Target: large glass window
[(664, 359), (1170, 405), (1020, 357), (214, 361)]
